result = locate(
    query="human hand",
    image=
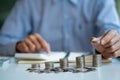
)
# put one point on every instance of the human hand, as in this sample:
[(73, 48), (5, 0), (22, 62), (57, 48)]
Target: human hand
[(33, 43), (108, 44)]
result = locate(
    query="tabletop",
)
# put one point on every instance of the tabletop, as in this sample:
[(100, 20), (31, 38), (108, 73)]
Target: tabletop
[(110, 71)]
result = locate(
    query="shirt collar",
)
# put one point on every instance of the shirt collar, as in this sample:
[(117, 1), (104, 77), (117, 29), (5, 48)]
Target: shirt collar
[(73, 1)]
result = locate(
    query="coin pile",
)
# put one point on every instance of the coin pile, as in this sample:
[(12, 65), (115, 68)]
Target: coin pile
[(80, 61), (64, 65), (97, 60), (34, 68), (80, 64), (48, 67)]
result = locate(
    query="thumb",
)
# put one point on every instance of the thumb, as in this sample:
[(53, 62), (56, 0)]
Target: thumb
[(95, 41)]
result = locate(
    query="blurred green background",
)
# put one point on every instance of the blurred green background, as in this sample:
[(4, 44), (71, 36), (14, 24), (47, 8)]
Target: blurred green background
[(118, 6), (6, 6)]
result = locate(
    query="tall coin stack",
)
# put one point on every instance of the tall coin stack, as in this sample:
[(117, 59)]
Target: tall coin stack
[(80, 61), (97, 60), (64, 63)]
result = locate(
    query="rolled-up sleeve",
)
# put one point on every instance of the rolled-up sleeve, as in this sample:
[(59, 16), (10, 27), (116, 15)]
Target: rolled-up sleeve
[(107, 17), (16, 27)]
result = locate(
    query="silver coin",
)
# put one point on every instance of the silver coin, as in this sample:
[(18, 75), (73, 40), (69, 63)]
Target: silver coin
[(49, 65), (80, 61), (35, 66), (64, 63), (97, 60)]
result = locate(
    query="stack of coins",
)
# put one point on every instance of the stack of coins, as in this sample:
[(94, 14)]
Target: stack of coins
[(35, 66), (80, 61), (97, 60), (49, 65), (64, 63)]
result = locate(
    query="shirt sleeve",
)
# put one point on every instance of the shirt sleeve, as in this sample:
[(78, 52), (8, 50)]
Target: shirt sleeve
[(16, 27), (107, 17)]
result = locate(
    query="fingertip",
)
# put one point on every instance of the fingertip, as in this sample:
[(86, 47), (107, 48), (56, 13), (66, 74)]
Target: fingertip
[(48, 50), (102, 42), (91, 39), (95, 40)]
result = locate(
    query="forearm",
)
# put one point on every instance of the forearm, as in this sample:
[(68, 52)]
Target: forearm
[(107, 18), (107, 27), (15, 28), (8, 49)]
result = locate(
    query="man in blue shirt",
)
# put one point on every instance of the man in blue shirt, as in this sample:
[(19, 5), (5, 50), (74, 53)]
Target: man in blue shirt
[(62, 25)]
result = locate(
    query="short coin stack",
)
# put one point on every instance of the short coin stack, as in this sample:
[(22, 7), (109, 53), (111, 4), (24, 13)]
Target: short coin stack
[(64, 65)]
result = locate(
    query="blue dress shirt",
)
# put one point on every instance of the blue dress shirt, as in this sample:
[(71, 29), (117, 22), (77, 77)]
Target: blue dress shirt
[(67, 25)]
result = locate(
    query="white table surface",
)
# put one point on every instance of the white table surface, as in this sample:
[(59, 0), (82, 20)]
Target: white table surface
[(18, 72)]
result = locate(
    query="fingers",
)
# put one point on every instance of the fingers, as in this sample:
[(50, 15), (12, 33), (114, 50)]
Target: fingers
[(96, 43), (107, 55), (43, 43), (112, 41), (33, 43), (116, 53), (22, 47), (108, 45), (31, 47), (107, 37), (113, 47)]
